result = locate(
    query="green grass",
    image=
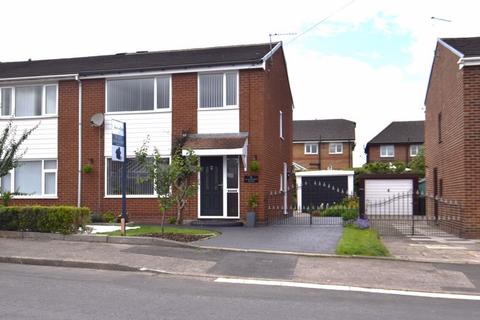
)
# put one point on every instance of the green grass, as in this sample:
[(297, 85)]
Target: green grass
[(360, 242), (158, 229)]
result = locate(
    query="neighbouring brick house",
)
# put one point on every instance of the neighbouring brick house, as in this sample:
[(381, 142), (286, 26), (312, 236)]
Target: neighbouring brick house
[(234, 104), (323, 144), (452, 135), (399, 141)]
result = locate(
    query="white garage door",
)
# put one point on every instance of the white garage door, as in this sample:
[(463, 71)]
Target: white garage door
[(392, 196)]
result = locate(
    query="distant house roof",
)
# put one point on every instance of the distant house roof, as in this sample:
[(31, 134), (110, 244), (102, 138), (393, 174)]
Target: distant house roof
[(469, 47), (327, 130), (400, 132), (140, 61)]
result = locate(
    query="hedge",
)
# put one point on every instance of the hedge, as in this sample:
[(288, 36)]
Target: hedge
[(346, 213), (55, 219)]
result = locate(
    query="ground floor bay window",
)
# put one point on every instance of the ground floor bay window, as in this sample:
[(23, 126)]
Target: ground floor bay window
[(138, 183), (219, 187), (32, 178)]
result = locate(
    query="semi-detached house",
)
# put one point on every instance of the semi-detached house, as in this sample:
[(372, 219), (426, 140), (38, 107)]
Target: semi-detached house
[(233, 104)]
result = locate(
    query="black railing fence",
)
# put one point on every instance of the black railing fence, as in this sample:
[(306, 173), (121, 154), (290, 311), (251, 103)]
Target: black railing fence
[(287, 212), (413, 214)]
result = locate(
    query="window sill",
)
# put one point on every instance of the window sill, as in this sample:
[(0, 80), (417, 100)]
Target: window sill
[(140, 112), (35, 198), (219, 108), (131, 197), (28, 118), (337, 153)]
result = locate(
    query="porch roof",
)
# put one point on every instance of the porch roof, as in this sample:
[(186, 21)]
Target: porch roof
[(218, 144)]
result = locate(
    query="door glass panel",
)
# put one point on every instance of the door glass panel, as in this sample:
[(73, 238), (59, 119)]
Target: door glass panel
[(232, 204), (232, 172)]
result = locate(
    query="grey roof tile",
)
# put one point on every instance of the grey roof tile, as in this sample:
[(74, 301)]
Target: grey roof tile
[(401, 132), (326, 129)]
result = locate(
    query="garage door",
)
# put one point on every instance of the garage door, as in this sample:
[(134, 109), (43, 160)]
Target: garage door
[(322, 190), (389, 196)]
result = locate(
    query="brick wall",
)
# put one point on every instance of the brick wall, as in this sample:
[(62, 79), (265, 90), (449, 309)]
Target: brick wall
[(402, 153), (445, 95), (471, 117), (311, 161)]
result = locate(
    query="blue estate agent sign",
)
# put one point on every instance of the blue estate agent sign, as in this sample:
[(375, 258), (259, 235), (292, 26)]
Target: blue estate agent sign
[(118, 141)]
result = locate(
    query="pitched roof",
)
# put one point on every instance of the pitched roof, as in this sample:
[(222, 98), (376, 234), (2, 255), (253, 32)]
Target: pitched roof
[(401, 132), (140, 61), (327, 129), (469, 47), (216, 141)]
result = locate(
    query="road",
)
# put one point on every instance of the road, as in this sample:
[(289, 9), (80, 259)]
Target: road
[(36, 292)]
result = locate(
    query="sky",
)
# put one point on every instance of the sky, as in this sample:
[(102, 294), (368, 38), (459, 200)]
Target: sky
[(364, 60)]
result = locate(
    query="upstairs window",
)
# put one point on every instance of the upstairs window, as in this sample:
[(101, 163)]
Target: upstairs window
[(281, 124), (28, 101), (387, 151), (218, 90), (311, 148), (335, 148), (439, 127), (414, 150), (147, 94)]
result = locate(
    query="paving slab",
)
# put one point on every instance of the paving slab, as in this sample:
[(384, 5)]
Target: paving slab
[(311, 239)]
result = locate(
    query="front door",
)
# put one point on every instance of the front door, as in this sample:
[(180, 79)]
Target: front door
[(211, 187)]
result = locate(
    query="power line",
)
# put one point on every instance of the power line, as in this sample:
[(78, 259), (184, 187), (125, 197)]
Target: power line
[(321, 21)]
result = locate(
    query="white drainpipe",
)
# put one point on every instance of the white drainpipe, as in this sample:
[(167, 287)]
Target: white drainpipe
[(79, 173)]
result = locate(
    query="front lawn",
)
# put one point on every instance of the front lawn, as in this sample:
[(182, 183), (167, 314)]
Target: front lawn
[(146, 230), (362, 242)]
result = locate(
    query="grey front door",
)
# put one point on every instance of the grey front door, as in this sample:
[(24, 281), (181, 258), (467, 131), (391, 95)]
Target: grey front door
[(211, 187)]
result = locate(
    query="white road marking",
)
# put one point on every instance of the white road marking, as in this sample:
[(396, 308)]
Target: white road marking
[(349, 288)]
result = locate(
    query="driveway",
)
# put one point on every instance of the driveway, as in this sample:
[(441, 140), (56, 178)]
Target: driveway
[(316, 238)]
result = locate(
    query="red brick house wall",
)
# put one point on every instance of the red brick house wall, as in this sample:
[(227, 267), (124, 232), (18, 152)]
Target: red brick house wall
[(402, 153), (311, 161), (455, 94)]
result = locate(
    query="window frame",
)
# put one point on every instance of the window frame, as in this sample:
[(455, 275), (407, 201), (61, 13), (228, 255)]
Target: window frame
[(44, 100), (224, 96), (387, 155), (44, 172), (133, 196), (417, 146), (336, 144), (281, 125), (310, 144), (155, 98)]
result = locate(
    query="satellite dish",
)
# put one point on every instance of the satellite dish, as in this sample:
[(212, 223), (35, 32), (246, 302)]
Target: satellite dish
[(97, 120)]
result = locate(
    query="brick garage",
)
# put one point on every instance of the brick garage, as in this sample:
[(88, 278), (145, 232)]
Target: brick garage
[(452, 132)]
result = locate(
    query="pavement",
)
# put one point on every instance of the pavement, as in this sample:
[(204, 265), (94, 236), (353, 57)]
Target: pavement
[(40, 292), (211, 263), (312, 239)]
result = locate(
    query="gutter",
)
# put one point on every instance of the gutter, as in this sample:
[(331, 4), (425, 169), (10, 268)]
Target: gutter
[(79, 173), (41, 78), (467, 62)]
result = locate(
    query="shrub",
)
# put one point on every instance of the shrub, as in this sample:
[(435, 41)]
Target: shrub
[(171, 220), (349, 214), (96, 218), (55, 219), (108, 217)]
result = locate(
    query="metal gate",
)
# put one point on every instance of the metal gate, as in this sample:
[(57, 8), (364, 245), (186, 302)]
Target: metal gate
[(318, 214), (318, 191)]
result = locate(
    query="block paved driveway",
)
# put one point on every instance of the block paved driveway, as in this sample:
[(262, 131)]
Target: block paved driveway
[(315, 238)]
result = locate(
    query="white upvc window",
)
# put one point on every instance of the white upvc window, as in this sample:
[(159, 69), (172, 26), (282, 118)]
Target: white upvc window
[(387, 151), (32, 178), (311, 148), (415, 149), (218, 90), (335, 148), (281, 124), (138, 182), (139, 94), (29, 100)]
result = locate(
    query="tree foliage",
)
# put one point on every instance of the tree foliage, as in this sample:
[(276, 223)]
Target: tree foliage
[(173, 182), (417, 164)]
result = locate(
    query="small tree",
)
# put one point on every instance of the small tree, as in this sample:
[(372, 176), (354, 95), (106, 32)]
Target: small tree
[(10, 154), (172, 181), (417, 164)]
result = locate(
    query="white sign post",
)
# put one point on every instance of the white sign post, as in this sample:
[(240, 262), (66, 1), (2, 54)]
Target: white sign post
[(119, 152)]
